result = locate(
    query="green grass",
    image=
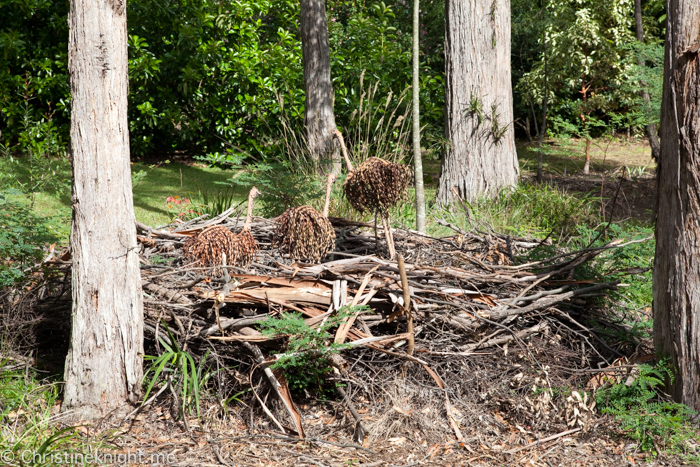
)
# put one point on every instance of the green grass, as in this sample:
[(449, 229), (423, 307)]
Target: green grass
[(566, 156), (184, 181), (30, 428), (150, 193)]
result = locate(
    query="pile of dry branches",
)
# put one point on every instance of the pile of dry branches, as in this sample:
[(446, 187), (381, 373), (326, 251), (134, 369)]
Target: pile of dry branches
[(431, 361)]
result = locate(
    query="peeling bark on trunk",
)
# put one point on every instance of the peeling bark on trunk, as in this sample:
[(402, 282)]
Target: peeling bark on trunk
[(417, 157), (103, 366), (677, 259), (319, 118), (481, 157), (651, 127)]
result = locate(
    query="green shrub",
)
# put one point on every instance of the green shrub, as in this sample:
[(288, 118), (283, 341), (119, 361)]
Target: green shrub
[(305, 358), (530, 210), (23, 236), (646, 415)]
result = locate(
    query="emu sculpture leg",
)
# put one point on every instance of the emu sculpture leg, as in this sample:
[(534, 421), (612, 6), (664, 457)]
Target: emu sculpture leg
[(376, 238), (386, 221)]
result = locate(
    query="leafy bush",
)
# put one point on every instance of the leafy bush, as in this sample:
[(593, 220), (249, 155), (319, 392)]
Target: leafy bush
[(647, 415), (305, 358), (23, 236)]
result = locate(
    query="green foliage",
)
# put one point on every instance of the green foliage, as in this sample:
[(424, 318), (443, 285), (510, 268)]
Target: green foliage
[(28, 434), (38, 161), (203, 74), (177, 368), (33, 60), (648, 416), (23, 236), (592, 64), (305, 358), (632, 265), (531, 209)]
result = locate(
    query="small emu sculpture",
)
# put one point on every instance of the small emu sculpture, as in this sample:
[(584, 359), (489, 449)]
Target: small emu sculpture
[(375, 186), (209, 246), (304, 233)]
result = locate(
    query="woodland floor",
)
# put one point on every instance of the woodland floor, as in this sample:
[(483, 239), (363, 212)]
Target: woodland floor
[(502, 420)]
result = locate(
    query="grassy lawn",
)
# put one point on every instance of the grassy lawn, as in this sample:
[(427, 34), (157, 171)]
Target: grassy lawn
[(199, 183)]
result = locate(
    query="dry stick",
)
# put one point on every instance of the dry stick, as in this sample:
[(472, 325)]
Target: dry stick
[(502, 340), (407, 305), (347, 323), (543, 440), (360, 429), (275, 386)]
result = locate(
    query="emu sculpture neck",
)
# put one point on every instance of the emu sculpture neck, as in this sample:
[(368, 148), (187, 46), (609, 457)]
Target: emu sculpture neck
[(249, 216), (345, 150), (329, 186)]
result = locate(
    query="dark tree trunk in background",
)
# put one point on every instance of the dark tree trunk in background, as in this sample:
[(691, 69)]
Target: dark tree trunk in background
[(319, 118), (103, 366), (651, 127), (677, 259), (480, 158)]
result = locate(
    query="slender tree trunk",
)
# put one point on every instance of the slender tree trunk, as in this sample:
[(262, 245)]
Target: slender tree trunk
[(417, 160), (481, 157), (319, 118), (543, 128), (650, 127), (103, 366), (677, 260)]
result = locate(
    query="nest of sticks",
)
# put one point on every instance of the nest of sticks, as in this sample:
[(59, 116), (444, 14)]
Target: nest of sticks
[(485, 327), (304, 233)]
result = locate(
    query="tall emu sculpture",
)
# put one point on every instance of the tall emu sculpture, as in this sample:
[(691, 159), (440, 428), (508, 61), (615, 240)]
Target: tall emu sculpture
[(209, 246), (305, 233), (375, 186)]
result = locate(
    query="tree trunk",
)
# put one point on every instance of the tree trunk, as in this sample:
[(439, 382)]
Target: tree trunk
[(650, 127), (417, 159), (319, 118), (677, 259), (103, 366), (480, 158)]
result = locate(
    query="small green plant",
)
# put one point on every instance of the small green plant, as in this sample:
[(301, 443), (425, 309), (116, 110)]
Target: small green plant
[(497, 131), (214, 203), (648, 416), (28, 435), (305, 359), (476, 108), (23, 236), (177, 368)]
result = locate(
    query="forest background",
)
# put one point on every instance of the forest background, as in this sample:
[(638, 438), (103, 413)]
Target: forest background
[(209, 78)]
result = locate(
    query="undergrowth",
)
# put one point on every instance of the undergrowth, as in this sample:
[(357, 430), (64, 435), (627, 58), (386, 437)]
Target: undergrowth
[(177, 368), (23, 237), (305, 358), (648, 416), (30, 429)]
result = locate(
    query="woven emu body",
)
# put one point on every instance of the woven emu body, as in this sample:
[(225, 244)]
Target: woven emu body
[(376, 185), (208, 246), (305, 234)]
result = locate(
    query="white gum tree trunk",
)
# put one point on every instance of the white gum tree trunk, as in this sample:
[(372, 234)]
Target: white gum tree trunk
[(480, 158), (104, 363)]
